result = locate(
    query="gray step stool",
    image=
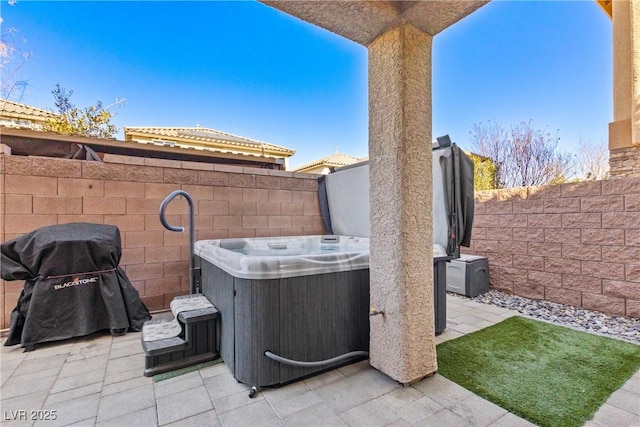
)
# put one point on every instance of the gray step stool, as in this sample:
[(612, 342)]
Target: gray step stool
[(188, 339)]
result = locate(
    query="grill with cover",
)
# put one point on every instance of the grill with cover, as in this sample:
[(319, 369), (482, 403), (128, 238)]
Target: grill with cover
[(73, 284)]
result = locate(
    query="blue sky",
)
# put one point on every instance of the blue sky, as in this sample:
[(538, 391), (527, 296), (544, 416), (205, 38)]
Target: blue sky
[(250, 70)]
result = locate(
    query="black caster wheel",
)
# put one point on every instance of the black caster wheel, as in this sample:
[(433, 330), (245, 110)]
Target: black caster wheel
[(252, 392)]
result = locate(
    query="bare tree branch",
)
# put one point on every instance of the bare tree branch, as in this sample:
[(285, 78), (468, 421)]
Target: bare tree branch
[(523, 155), (592, 160), (12, 60)]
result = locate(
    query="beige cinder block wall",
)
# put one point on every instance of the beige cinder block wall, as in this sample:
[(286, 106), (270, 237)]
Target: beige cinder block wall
[(624, 131), (576, 244), (402, 342), (230, 201)]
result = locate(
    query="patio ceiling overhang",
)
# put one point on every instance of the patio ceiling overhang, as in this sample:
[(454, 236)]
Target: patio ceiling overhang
[(363, 21)]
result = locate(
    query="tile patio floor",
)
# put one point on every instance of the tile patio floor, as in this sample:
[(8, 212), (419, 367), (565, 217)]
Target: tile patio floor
[(98, 380)]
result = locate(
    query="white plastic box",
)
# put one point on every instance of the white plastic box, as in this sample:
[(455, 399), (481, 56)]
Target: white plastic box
[(468, 275)]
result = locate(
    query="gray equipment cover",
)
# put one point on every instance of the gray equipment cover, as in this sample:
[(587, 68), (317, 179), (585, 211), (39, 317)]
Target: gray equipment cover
[(457, 173)]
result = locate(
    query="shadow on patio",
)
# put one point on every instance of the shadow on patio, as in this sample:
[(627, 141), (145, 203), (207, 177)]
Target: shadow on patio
[(98, 380)]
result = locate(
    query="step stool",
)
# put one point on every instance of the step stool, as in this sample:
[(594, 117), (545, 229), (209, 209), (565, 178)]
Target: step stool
[(188, 339)]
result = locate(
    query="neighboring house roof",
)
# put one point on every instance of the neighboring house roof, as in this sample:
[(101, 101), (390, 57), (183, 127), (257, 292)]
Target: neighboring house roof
[(333, 161), (196, 142), (607, 6), (337, 160), (21, 112), (27, 142), (204, 138)]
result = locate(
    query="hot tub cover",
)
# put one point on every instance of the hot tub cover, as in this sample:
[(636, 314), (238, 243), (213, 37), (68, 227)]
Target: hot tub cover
[(73, 285)]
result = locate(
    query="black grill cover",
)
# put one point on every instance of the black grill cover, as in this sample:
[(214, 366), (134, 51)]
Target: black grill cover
[(73, 286)]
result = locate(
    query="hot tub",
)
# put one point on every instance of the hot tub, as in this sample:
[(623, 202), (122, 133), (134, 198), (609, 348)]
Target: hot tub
[(304, 299)]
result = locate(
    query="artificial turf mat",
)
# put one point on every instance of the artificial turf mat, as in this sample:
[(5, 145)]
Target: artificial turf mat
[(182, 371), (548, 374)]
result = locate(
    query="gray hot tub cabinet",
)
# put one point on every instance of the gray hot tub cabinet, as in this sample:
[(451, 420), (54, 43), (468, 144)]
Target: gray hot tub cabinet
[(300, 318)]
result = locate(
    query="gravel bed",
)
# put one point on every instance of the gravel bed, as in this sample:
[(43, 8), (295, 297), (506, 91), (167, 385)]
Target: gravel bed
[(621, 327)]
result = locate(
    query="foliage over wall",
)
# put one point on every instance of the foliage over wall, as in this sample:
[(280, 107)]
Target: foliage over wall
[(94, 120), (523, 155), (484, 173)]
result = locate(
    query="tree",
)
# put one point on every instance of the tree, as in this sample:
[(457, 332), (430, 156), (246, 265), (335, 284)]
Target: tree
[(93, 121), (523, 155), (484, 172), (592, 160), (12, 60)]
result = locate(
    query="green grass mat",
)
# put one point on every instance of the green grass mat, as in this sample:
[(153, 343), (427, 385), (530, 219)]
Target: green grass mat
[(548, 374), (182, 371)]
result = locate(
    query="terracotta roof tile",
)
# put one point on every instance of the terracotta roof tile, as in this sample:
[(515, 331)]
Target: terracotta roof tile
[(204, 135), (16, 109), (334, 160)]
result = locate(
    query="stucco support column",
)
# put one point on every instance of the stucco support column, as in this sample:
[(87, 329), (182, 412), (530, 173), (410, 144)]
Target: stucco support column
[(402, 342), (624, 131), (634, 18)]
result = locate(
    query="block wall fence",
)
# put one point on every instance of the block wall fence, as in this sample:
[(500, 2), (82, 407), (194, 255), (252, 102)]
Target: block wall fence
[(576, 243), (230, 201)]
